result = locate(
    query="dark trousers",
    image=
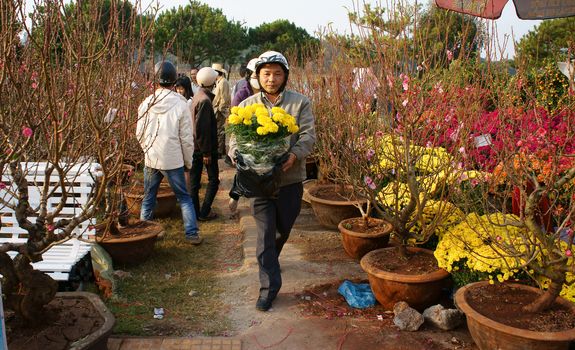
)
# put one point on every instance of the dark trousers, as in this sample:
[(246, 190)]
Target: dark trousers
[(274, 215), (196, 179)]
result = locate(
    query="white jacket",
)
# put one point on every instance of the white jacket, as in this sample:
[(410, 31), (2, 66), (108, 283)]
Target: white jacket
[(164, 130)]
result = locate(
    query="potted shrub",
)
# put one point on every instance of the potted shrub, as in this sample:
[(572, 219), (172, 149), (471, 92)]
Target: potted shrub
[(63, 107), (536, 170), (393, 138)]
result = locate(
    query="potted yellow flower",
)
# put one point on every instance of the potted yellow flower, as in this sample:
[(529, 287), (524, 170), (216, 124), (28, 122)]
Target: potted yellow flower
[(262, 138)]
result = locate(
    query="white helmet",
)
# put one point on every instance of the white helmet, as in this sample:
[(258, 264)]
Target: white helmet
[(272, 57), (206, 77), (252, 64)]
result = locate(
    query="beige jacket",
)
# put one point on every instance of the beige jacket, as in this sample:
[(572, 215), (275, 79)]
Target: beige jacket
[(223, 98)]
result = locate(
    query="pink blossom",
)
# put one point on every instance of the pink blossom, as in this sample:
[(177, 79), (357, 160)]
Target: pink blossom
[(369, 182), (449, 55), (27, 132), (370, 154), (405, 82), (462, 150), (2, 185), (405, 102), (130, 173), (50, 227), (498, 238), (379, 133), (34, 85), (568, 252)]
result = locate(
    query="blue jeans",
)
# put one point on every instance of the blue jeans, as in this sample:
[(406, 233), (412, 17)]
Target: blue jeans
[(177, 180)]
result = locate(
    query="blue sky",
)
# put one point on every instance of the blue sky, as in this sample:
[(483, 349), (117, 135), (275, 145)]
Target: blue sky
[(316, 14)]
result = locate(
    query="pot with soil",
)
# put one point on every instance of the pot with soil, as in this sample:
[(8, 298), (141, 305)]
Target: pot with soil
[(131, 244), (496, 318), (74, 320), (333, 203), (360, 236), (165, 200), (415, 279)]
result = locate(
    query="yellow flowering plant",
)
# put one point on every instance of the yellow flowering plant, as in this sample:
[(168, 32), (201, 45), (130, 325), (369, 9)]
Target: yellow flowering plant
[(256, 123), (261, 134)]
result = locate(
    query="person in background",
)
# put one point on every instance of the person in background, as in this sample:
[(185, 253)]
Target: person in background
[(249, 84), (165, 135), (222, 101), (250, 87), (242, 71), (205, 145), (183, 86), (276, 216), (195, 86)]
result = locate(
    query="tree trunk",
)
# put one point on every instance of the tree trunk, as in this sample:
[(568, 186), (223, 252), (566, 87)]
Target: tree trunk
[(27, 290), (546, 299)]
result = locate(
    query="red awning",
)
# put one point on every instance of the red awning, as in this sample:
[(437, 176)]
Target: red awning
[(526, 9)]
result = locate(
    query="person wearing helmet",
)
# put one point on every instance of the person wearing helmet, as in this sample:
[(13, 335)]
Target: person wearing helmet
[(205, 144), (165, 135), (275, 216), (222, 101), (247, 86)]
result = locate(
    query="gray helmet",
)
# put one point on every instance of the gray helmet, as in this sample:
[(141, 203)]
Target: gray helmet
[(166, 73)]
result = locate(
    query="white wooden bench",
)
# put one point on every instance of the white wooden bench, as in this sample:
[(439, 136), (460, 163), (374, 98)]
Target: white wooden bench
[(58, 260)]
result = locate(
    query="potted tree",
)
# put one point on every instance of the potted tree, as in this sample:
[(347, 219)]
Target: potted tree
[(535, 159), (385, 133), (61, 109)]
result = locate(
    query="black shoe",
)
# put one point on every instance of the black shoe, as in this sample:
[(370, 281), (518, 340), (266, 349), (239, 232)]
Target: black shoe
[(264, 304)]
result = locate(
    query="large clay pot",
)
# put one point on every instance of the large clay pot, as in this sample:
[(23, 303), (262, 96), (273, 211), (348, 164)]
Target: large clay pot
[(357, 244), (419, 291), (329, 213), (489, 334), (133, 247), (99, 339), (165, 200), (77, 320)]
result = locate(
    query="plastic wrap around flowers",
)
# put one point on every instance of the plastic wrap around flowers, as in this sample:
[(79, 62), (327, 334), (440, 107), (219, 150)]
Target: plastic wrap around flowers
[(261, 136)]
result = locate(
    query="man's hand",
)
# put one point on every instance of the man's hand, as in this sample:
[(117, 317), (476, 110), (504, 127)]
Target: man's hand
[(289, 162)]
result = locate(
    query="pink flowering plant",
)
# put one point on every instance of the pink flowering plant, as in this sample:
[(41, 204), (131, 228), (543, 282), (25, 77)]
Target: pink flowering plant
[(526, 181), (61, 105)]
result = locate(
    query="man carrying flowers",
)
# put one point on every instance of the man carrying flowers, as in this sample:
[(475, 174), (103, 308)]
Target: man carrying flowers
[(271, 114)]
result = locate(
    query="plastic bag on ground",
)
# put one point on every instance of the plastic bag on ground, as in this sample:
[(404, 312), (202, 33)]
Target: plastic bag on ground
[(357, 295)]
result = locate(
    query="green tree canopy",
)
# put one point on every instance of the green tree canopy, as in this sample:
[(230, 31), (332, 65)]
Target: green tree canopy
[(441, 30), (280, 35), (198, 32), (546, 41)]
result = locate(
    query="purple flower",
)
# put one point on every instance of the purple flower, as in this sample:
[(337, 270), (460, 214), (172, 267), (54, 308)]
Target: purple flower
[(369, 182), (370, 154)]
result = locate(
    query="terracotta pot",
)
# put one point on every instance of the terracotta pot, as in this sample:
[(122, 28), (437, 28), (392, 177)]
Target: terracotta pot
[(165, 200), (489, 334), (419, 291), (329, 213), (357, 244), (135, 248), (99, 339)]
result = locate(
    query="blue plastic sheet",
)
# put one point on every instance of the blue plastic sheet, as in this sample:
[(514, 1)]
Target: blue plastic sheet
[(357, 295)]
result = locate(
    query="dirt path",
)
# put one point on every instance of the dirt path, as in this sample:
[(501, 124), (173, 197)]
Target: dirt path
[(308, 313)]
